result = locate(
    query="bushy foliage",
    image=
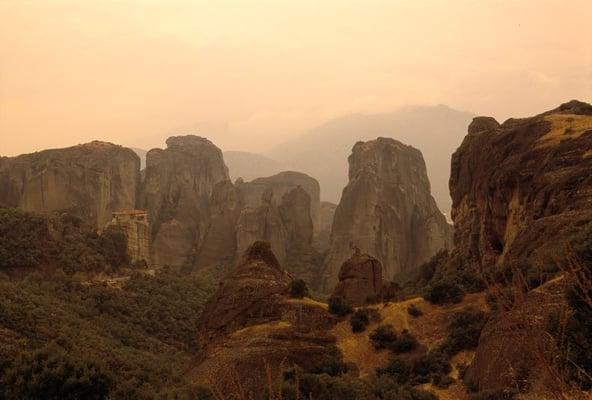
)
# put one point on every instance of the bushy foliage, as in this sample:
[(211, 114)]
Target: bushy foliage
[(339, 306), (445, 279), (404, 343), (383, 336), (298, 289), (298, 384), (133, 342), (362, 317), (444, 293), (414, 311), (52, 373), (331, 364), (432, 367), (464, 331), (25, 241), (494, 394)]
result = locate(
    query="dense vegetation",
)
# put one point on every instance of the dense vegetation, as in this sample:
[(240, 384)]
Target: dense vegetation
[(298, 289), (333, 379), (61, 338), (385, 337), (339, 306), (362, 317), (464, 331), (63, 241)]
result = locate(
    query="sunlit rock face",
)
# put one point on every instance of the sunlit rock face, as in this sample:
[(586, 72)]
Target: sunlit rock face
[(90, 181), (520, 189), (176, 191), (386, 211)]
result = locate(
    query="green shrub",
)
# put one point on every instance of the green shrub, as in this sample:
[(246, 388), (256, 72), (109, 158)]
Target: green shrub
[(444, 293), (494, 394), (139, 337), (372, 299), (362, 317), (383, 336), (331, 364), (298, 289), (414, 311), (431, 367), (384, 387), (52, 373), (24, 239), (464, 331), (404, 343), (338, 306)]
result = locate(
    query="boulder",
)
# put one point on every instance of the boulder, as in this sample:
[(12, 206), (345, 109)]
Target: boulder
[(90, 181), (387, 211), (520, 189), (360, 280)]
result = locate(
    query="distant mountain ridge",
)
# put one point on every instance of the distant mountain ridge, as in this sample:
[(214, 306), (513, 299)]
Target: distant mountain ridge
[(249, 166)]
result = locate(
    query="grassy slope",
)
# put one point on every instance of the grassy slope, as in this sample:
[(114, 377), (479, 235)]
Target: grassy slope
[(429, 329)]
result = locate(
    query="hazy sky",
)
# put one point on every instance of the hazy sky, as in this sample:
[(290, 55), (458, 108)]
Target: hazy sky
[(250, 74)]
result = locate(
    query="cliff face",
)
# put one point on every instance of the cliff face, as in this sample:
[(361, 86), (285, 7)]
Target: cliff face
[(386, 210), (263, 222), (90, 181), (176, 193), (278, 213), (220, 241), (282, 183), (521, 188)]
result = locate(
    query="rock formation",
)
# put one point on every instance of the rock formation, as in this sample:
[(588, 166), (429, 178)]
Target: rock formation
[(248, 295), (250, 324), (280, 184), (176, 193), (323, 234), (386, 210), (263, 222), (285, 223), (90, 181), (220, 241), (134, 225), (521, 188), (360, 279)]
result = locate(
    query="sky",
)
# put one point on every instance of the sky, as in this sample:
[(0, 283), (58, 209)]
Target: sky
[(252, 74)]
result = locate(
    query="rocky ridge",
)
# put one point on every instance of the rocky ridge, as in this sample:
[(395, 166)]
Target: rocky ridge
[(90, 181), (531, 191)]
